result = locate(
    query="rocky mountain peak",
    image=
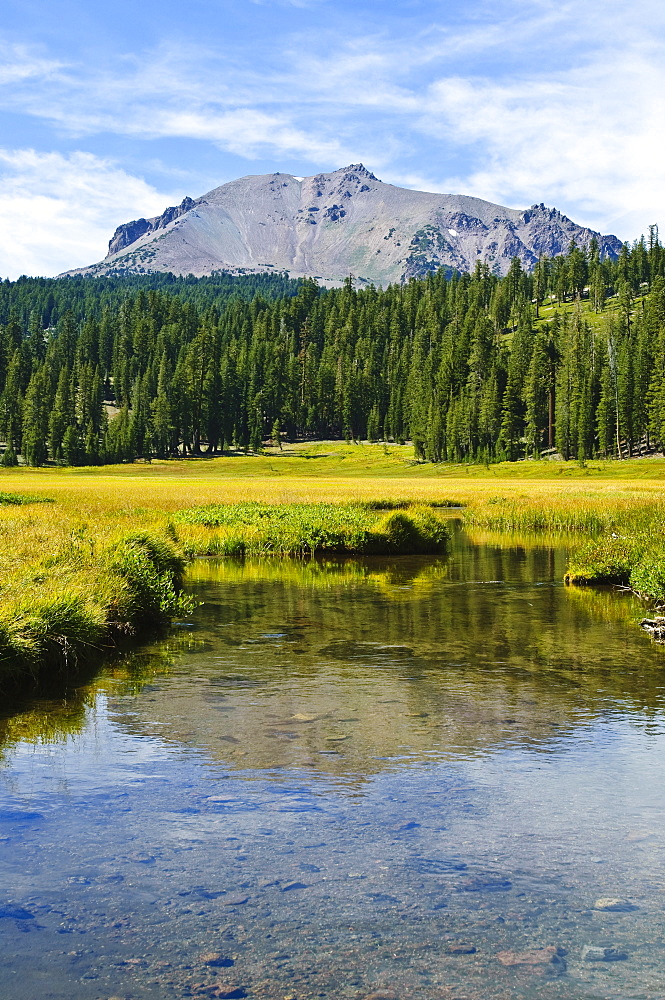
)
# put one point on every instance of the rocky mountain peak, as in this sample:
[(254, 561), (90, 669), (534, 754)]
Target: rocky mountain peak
[(130, 232), (358, 169), (329, 224)]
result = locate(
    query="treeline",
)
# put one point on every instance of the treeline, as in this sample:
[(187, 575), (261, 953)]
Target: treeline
[(44, 301), (462, 366)]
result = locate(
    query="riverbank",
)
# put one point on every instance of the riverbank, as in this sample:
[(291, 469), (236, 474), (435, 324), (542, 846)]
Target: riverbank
[(618, 541), (78, 598), (104, 557), (75, 581)]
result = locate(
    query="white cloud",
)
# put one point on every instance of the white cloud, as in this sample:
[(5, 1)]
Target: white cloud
[(590, 139), (178, 92), (58, 212), (244, 131), (19, 63), (520, 101)]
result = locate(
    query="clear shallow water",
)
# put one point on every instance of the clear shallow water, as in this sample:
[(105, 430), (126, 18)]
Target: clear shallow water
[(338, 780)]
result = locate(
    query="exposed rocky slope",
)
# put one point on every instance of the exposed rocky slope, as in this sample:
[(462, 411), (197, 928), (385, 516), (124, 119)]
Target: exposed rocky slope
[(330, 225)]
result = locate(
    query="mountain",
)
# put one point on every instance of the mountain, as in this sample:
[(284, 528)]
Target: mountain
[(330, 225)]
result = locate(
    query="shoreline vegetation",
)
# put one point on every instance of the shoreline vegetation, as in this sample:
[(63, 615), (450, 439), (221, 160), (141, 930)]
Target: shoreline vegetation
[(92, 556), (620, 544), (73, 588), (309, 529)]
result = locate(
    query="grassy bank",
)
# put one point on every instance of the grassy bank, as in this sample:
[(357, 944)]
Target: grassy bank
[(73, 599), (104, 557), (619, 541), (312, 528), (632, 554), (75, 581)]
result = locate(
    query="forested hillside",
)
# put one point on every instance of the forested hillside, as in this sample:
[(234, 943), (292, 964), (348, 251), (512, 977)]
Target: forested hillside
[(474, 367)]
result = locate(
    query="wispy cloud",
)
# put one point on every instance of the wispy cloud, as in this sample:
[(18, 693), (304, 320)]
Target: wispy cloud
[(512, 101), (59, 211), (20, 63), (590, 138)]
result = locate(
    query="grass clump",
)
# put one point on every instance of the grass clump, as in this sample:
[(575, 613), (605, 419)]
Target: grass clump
[(635, 559), (69, 604), (413, 532), (20, 499), (150, 571), (602, 560), (311, 528)]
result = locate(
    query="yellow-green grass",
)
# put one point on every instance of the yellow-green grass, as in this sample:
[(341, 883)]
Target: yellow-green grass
[(321, 461), (55, 556), (69, 588), (631, 553), (596, 320), (311, 529)]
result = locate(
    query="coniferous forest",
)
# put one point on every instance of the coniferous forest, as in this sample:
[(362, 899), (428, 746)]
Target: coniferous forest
[(568, 359)]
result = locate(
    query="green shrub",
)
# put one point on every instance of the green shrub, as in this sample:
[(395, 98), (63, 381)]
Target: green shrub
[(647, 577), (409, 533), (607, 559)]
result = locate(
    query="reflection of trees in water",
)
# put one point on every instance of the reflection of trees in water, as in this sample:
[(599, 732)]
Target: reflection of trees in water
[(336, 666), (423, 655), (56, 714)]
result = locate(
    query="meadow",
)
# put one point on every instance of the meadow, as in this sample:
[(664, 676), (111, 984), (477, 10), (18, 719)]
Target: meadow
[(90, 555)]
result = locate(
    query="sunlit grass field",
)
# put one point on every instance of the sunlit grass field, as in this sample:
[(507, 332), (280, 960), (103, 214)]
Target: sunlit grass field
[(90, 504), (328, 470), (71, 554)]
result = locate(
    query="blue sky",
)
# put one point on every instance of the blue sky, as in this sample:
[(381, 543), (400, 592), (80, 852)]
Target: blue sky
[(112, 111)]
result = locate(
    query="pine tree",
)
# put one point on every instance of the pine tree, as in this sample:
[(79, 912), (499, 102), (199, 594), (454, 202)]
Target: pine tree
[(71, 445), (61, 415), (35, 418), (9, 458)]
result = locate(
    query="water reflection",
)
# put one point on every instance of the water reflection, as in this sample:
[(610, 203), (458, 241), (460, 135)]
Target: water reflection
[(344, 666), (400, 779), (347, 667)]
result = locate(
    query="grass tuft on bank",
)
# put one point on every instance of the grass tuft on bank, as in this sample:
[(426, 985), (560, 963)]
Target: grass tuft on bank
[(68, 606), (632, 556)]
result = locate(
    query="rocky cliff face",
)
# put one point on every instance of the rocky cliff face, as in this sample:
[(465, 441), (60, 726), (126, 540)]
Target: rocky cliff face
[(330, 225), (130, 232)]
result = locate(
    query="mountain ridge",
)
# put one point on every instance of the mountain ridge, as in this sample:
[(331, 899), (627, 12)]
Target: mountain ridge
[(331, 224)]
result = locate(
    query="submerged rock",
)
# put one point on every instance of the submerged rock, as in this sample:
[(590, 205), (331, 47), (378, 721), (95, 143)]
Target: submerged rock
[(458, 948), (16, 913), (592, 953), (611, 904), (216, 960), (656, 626), (548, 959)]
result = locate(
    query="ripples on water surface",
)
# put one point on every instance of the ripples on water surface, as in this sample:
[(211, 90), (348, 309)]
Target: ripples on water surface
[(351, 780)]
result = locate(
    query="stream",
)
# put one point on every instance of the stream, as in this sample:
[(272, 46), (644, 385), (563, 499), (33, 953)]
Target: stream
[(429, 778)]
